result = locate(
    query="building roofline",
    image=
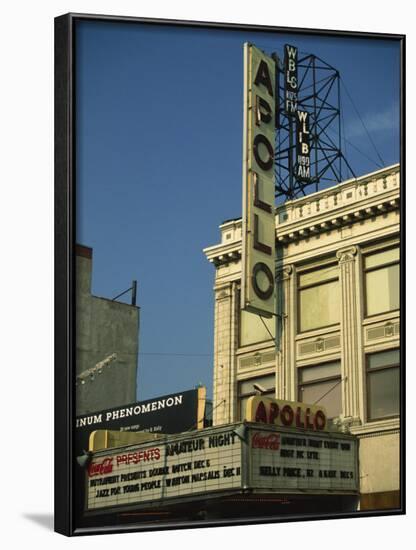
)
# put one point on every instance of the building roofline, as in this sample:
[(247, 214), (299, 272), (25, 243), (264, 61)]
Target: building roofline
[(83, 251), (348, 202), (370, 175)]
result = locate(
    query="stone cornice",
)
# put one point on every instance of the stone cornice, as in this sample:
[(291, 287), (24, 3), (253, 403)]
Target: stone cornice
[(343, 205), (222, 254), (373, 428), (304, 228)]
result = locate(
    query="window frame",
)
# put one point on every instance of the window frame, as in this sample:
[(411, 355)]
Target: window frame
[(377, 268), (313, 285), (267, 342), (334, 378), (271, 392), (368, 371)]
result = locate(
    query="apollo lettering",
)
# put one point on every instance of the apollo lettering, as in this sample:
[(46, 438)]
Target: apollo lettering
[(263, 152), (258, 247), (285, 413), (288, 416)]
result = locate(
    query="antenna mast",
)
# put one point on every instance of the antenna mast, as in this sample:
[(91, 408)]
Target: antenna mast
[(308, 155)]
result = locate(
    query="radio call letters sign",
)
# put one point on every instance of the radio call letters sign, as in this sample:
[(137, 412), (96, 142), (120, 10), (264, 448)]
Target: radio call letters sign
[(291, 89), (291, 80), (258, 254), (303, 172)]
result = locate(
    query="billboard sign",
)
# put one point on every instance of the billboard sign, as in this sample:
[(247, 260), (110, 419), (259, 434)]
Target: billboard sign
[(258, 247), (174, 413)]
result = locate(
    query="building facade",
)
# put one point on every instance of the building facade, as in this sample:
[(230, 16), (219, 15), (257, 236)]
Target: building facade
[(107, 333), (336, 337)]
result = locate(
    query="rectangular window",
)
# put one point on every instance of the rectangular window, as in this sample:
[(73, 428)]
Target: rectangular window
[(319, 300), (321, 385), (246, 388), (383, 384), (253, 329), (382, 281)]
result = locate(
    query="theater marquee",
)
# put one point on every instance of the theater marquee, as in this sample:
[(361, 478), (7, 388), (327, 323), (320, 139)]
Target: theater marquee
[(223, 460), (180, 466), (302, 461), (258, 247)]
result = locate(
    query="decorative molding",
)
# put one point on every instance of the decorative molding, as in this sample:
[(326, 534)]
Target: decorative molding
[(319, 345), (387, 330), (345, 423), (257, 360), (346, 254), (368, 435), (377, 428), (284, 273), (354, 202), (351, 339)]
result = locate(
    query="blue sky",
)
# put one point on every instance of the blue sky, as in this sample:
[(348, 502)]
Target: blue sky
[(159, 149)]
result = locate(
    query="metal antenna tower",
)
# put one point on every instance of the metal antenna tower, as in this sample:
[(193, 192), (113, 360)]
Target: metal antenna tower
[(318, 93)]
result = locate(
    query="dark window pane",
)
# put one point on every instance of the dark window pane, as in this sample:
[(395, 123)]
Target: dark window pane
[(266, 382), (384, 359), (243, 404), (308, 374), (383, 393), (332, 402)]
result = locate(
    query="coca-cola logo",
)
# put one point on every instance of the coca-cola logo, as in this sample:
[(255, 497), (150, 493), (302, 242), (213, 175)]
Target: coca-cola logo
[(271, 441), (100, 468)]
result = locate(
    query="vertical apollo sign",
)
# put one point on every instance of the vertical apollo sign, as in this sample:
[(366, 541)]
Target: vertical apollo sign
[(258, 249)]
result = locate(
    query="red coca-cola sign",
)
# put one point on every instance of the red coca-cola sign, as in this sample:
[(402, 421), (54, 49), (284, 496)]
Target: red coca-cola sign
[(100, 468), (270, 441)]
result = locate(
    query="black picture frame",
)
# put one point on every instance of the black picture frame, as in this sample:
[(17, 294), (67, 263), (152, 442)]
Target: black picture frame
[(65, 221)]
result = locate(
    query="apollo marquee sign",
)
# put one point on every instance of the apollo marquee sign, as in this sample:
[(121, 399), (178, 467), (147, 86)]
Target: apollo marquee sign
[(189, 465), (222, 460), (258, 247), (289, 414), (307, 462)]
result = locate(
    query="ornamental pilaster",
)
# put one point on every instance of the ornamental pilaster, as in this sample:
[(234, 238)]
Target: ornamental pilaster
[(285, 333), (351, 340), (225, 341)]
